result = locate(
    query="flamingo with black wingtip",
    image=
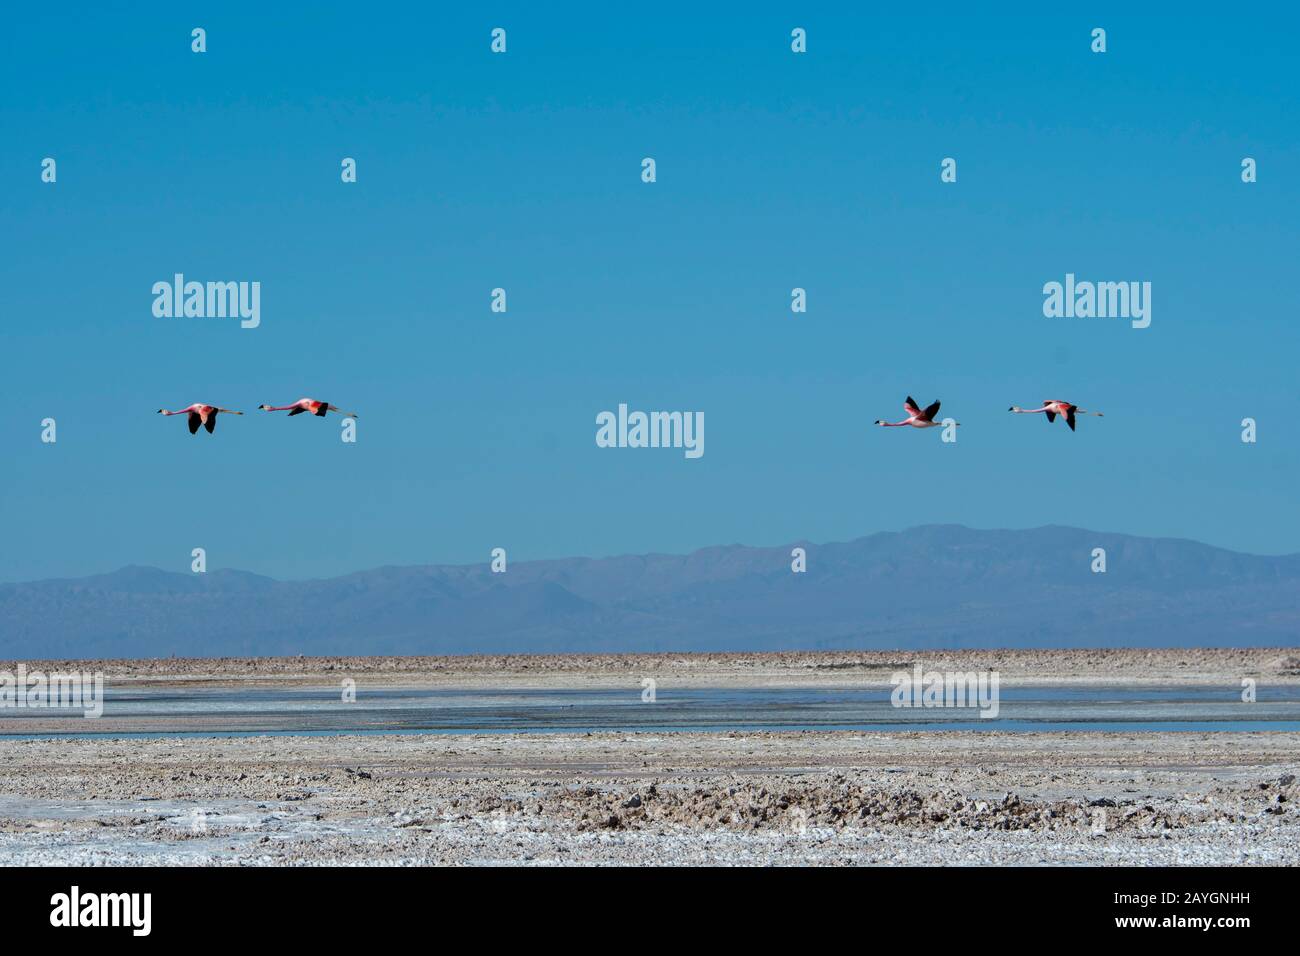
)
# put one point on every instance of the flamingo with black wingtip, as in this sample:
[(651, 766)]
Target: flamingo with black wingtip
[(916, 416), (319, 409), (205, 415), (1052, 407)]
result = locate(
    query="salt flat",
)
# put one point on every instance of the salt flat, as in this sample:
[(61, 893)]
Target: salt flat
[(762, 798), (1163, 666), (753, 797)]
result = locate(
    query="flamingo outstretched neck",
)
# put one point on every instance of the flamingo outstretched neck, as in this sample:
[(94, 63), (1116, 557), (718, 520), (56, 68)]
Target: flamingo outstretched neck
[(916, 416), (201, 415), (1052, 407), (319, 409)]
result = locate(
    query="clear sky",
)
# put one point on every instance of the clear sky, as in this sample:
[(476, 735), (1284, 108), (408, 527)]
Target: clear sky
[(522, 171)]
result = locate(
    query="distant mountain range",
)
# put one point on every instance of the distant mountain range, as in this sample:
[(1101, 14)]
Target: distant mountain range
[(941, 586)]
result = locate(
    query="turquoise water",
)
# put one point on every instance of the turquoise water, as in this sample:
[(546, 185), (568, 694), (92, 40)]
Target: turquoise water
[(208, 712)]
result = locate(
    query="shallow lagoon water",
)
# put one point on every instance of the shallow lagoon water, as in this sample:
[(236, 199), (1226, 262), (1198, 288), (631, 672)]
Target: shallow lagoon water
[(244, 711)]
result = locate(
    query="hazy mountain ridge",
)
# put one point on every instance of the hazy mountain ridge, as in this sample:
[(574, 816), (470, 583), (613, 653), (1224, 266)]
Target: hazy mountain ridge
[(933, 586)]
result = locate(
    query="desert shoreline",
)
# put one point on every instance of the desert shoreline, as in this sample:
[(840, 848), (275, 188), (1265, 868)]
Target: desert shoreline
[(832, 798), (751, 797), (1164, 666)]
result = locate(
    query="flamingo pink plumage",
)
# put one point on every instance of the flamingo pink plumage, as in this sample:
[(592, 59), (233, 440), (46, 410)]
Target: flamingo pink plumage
[(1054, 407), (916, 417), (307, 405), (205, 415)]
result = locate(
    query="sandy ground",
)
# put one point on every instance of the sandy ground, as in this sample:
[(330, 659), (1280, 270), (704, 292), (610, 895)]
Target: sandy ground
[(825, 798), (829, 668), (656, 798)]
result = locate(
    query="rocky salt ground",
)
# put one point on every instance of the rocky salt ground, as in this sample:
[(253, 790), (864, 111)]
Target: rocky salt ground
[(761, 798), (1160, 666)]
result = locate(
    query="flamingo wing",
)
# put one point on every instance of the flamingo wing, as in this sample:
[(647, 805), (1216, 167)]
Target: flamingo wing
[(297, 411), (910, 406), (930, 411), (1069, 416), (320, 412), (194, 421), (210, 423)]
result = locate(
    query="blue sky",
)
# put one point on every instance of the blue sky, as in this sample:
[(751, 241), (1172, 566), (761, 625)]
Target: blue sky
[(522, 171)]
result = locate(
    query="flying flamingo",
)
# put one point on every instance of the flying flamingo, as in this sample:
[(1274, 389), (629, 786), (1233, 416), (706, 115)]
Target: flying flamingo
[(916, 417), (308, 405), (205, 415), (1053, 408)]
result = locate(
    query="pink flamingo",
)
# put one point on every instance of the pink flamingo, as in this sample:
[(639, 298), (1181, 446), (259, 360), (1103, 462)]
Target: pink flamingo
[(916, 417), (1053, 408), (308, 405), (205, 415)]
